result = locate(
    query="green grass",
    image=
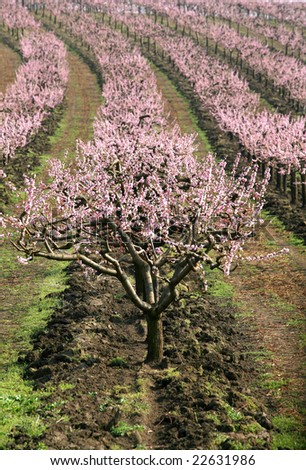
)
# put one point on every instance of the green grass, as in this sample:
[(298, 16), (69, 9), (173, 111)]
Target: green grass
[(288, 433), (32, 303), (124, 428), (274, 384), (303, 340), (219, 287), (222, 289), (260, 354), (8, 262), (296, 241), (276, 223), (19, 408), (53, 282), (279, 304), (20, 405), (185, 117)]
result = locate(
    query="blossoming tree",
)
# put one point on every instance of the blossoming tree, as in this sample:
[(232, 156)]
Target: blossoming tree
[(148, 219)]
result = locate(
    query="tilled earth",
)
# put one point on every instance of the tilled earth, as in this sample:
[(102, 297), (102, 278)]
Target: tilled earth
[(104, 396)]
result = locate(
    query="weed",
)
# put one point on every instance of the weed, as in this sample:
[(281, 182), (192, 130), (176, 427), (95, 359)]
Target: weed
[(274, 384), (123, 428), (296, 241), (263, 353), (119, 390), (41, 446), (233, 414), (131, 403), (211, 416), (244, 314), (170, 373), (118, 362), (119, 296), (279, 304), (54, 406), (271, 243), (299, 322), (249, 401), (217, 440), (303, 340), (253, 428), (66, 386)]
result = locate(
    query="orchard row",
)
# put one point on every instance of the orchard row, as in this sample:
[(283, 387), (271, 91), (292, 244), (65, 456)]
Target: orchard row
[(39, 86)]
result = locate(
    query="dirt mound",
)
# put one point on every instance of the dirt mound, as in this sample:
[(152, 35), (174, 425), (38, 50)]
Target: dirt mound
[(104, 397)]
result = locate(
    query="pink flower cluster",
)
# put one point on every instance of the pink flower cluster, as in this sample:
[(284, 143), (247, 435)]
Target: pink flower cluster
[(39, 86), (16, 16)]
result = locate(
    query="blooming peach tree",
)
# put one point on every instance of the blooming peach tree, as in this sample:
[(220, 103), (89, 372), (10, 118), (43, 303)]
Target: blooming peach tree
[(148, 219)]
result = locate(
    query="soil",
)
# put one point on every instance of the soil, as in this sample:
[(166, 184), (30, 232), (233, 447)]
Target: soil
[(92, 354), (9, 62), (270, 295)]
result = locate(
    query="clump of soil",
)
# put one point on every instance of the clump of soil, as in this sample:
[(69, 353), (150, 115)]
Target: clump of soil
[(105, 397)]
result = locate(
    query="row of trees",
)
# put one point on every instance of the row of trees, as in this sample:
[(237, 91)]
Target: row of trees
[(281, 11), (284, 72), (39, 87), (16, 16), (267, 136), (293, 41), (135, 203)]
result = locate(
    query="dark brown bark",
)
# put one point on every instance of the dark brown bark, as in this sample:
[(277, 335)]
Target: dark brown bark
[(155, 339), (303, 180), (293, 187)]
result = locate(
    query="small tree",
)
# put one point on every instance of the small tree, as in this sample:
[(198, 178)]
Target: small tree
[(148, 219)]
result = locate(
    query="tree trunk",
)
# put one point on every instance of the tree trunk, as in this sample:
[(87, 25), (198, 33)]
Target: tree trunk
[(303, 179), (140, 285), (154, 339), (293, 187)]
